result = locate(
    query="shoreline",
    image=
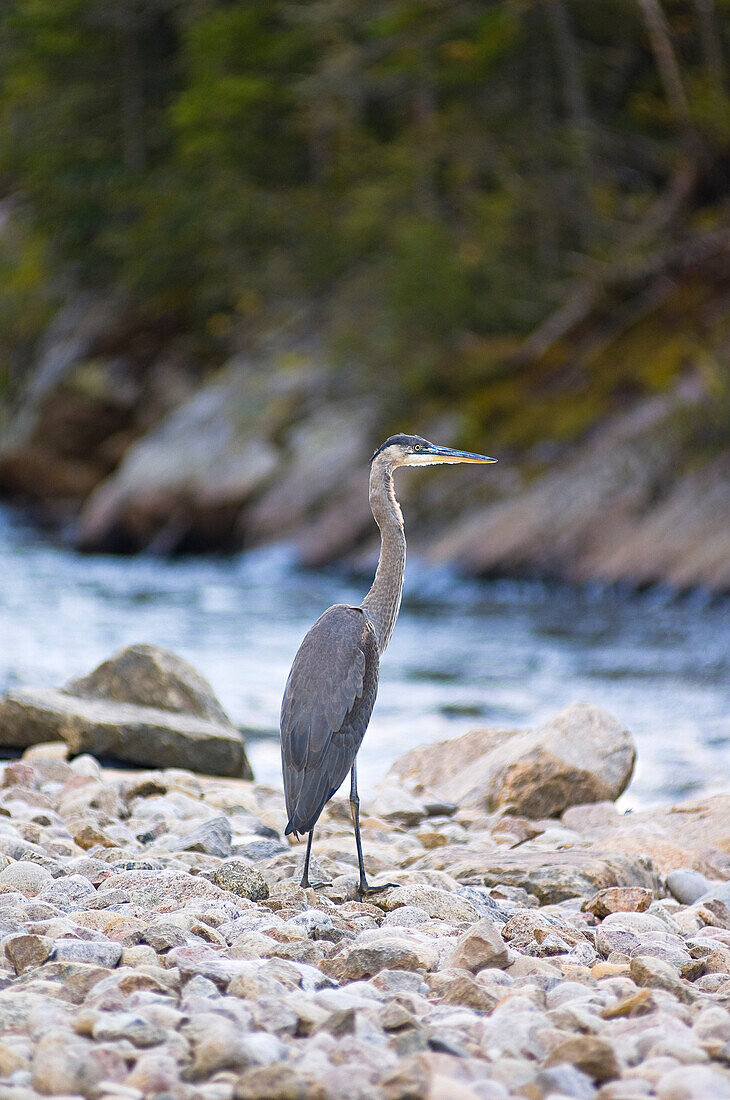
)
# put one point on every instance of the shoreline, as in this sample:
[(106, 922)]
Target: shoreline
[(156, 943)]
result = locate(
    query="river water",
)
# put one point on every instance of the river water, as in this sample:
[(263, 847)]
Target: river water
[(463, 654)]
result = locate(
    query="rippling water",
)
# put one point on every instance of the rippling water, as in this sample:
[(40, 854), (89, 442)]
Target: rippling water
[(463, 654)]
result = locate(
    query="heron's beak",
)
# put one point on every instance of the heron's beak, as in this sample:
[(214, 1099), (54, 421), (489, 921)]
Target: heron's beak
[(435, 455), (447, 454)]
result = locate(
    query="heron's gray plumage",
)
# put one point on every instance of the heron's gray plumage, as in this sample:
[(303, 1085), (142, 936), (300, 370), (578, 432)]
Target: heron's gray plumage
[(331, 689), (327, 704)]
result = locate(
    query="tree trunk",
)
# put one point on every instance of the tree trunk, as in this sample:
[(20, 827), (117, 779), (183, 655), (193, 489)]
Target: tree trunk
[(661, 44)]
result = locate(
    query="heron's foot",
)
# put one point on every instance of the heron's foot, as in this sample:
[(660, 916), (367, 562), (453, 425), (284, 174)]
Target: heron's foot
[(313, 885), (366, 891)]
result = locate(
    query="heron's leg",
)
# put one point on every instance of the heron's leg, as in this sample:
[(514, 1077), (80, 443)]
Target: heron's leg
[(305, 873), (305, 876), (363, 889), (355, 811)]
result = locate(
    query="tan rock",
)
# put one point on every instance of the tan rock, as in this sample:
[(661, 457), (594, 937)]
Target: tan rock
[(524, 966), (692, 834), (74, 979), (441, 904), (581, 755), (434, 1076), (480, 947), (87, 835), (26, 951), (528, 925), (588, 1053), (618, 899), (515, 830), (717, 962), (277, 1082), (46, 751), (458, 987), (155, 1073), (377, 951), (653, 973), (609, 970), (634, 1004), (140, 954), (66, 1063), (13, 1056), (396, 805), (590, 816), (714, 912), (444, 1087)]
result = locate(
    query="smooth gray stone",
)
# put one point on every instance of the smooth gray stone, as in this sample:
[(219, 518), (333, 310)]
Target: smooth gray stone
[(687, 885)]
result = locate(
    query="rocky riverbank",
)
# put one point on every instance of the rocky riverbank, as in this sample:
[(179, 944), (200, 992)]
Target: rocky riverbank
[(155, 942), (129, 444), (144, 705)]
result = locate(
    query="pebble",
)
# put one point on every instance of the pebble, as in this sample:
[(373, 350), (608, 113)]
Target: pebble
[(406, 917), (26, 877), (383, 951), (196, 967), (619, 899), (589, 1053), (437, 903), (718, 891), (242, 879), (66, 1063), (97, 952), (687, 885), (657, 974), (27, 951), (212, 838), (479, 947), (126, 1025), (68, 893), (693, 1083)]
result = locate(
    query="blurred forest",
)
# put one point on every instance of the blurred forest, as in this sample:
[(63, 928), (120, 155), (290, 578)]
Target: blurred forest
[(516, 210)]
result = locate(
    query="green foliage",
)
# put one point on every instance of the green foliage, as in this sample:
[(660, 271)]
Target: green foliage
[(429, 178), (27, 297)]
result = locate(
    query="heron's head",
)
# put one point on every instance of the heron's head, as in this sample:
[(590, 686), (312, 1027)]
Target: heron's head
[(413, 450)]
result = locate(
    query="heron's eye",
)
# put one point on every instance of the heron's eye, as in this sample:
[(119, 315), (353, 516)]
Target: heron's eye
[(416, 446)]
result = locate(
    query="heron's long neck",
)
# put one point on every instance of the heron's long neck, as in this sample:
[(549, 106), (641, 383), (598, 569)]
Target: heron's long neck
[(382, 602)]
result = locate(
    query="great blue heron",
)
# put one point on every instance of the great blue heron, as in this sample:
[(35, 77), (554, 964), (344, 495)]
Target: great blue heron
[(331, 689)]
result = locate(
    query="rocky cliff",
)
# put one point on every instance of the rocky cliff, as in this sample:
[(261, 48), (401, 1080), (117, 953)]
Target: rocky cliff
[(132, 445)]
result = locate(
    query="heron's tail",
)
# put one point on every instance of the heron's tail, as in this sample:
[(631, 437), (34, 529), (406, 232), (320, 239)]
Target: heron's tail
[(310, 802)]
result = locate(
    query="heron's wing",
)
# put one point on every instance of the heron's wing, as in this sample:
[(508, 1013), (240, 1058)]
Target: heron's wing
[(326, 708)]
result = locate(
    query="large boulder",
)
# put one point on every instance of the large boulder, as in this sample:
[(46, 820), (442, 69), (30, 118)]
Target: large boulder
[(143, 706), (580, 755), (210, 474), (151, 677), (327, 456), (184, 483)]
